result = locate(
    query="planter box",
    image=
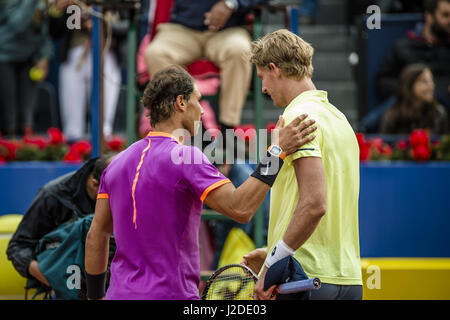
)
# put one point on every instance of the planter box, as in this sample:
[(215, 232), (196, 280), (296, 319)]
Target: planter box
[(404, 207)]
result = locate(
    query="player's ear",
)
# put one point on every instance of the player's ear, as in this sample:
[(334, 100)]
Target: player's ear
[(273, 67), (180, 103)]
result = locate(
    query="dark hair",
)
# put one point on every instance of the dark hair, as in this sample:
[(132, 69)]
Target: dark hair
[(408, 112), (162, 91), (408, 77), (430, 6), (100, 165)]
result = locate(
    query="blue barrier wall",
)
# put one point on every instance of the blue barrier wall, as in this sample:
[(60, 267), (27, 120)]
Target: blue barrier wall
[(20, 181), (404, 208)]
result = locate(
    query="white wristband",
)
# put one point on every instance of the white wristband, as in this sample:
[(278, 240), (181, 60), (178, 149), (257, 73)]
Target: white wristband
[(280, 251)]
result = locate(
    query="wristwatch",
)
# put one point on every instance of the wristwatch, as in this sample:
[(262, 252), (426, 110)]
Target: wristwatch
[(276, 151), (231, 4)]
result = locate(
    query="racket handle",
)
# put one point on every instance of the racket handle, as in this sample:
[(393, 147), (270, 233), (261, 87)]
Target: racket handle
[(297, 286)]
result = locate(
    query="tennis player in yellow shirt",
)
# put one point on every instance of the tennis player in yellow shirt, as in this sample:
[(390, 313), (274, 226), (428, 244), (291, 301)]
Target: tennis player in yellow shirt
[(314, 201)]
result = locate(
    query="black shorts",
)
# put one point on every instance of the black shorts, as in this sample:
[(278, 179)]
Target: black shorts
[(336, 292)]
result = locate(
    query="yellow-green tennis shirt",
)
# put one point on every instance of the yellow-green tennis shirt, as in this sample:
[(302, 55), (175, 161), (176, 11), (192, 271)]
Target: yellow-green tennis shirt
[(332, 251)]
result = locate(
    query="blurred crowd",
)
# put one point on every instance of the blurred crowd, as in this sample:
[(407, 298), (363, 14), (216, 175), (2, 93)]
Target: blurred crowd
[(37, 46), (413, 81), (35, 32)]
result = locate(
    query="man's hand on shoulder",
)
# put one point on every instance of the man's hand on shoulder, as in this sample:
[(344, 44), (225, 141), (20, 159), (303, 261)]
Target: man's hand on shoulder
[(294, 135)]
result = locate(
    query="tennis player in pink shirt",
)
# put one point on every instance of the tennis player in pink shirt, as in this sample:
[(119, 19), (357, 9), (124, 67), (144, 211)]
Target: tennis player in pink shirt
[(151, 198)]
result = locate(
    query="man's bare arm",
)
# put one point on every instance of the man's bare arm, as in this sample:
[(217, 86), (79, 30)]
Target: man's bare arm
[(310, 209), (238, 204), (97, 241), (312, 201), (241, 204)]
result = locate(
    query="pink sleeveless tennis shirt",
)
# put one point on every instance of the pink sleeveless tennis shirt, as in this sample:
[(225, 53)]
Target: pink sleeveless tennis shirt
[(156, 189)]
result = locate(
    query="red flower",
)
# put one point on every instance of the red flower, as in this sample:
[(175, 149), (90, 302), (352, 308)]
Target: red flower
[(72, 157), (11, 146), (364, 152), (386, 150), (55, 136), (116, 143), (364, 147), (39, 141), (82, 147), (377, 143), (421, 152), (419, 137), (245, 132), (402, 145), (3, 154), (361, 138)]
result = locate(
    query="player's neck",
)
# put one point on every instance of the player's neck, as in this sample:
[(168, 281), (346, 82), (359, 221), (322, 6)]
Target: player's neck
[(170, 126), (295, 88)]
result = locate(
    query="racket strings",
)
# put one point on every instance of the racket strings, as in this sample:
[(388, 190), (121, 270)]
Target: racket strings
[(232, 284)]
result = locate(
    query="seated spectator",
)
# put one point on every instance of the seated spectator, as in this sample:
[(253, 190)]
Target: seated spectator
[(64, 199), (415, 106), (215, 30), (431, 46), (24, 45)]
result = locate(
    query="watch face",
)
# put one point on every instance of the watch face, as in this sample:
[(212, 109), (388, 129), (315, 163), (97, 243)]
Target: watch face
[(230, 4), (275, 150)]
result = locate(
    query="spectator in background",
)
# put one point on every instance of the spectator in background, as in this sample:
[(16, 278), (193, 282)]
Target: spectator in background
[(431, 46), (215, 30), (24, 44), (415, 106), (75, 73)]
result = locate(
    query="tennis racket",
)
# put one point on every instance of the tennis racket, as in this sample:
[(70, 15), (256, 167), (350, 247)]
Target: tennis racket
[(237, 282)]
